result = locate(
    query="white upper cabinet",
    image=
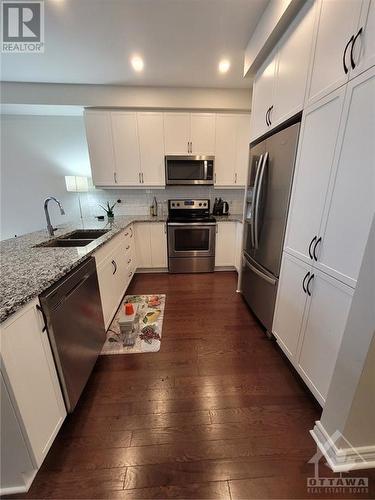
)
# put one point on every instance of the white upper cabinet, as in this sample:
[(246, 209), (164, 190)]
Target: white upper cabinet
[(226, 147), (352, 205), (338, 22), (177, 133), (293, 65), (151, 142), (263, 96), (242, 150), (32, 379), (364, 43), (322, 332), (100, 144), (202, 133), (313, 169), (232, 149), (126, 147), (189, 133)]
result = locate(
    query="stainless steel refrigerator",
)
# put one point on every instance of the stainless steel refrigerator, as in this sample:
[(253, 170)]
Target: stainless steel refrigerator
[(267, 201)]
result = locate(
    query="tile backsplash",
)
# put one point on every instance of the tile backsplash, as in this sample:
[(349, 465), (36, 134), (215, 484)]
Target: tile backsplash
[(138, 201)]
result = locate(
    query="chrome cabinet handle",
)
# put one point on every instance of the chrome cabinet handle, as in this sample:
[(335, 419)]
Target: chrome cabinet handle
[(115, 177), (131, 232), (235, 178), (139, 176), (215, 178), (114, 267), (127, 248), (130, 274), (269, 115), (126, 234), (143, 181), (129, 261)]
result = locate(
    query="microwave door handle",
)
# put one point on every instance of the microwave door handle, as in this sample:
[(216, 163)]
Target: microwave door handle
[(256, 211), (205, 174), (255, 189)]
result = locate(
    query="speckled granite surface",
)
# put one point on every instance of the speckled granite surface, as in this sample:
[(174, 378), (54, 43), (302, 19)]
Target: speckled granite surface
[(27, 271)]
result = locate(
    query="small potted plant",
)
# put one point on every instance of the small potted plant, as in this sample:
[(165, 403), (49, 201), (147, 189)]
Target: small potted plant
[(109, 210)]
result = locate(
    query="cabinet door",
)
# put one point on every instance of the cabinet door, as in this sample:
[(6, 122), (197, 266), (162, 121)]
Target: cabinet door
[(291, 78), (225, 244), (323, 331), (314, 163), (100, 144), (337, 23), (290, 303), (158, 239), (364, 47), (109, 286), (352, 205), (151, 140), (143, 244), (126, 147), (238, 249), (202, 133), (242, 150), (225, 149), (176, 133), (32, 377), (263, 91)]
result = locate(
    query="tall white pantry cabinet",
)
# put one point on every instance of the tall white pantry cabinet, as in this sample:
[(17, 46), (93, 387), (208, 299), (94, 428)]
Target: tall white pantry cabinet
[(332, 206)]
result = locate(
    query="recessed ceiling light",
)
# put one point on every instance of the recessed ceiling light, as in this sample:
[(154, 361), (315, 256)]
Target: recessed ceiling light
[(137, 63), (224, 65)]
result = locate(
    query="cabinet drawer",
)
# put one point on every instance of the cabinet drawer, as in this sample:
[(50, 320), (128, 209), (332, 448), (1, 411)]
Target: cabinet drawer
[(125, 237)]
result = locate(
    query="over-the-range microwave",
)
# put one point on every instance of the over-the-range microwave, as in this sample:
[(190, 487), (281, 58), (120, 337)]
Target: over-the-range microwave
[(186, 170)]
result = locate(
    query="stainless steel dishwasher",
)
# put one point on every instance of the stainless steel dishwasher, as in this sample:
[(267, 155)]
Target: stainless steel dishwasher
[(73, 314)]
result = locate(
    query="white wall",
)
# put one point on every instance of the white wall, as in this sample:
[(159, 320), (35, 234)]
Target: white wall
[(36, 153)]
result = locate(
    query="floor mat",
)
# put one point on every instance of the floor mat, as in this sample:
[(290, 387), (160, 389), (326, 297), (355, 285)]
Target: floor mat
[(147, 326)]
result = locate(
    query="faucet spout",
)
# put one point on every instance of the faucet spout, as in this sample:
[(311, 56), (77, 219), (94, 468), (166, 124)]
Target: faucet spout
[(50, 228)]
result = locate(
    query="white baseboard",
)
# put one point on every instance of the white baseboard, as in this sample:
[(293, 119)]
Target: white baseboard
[(21, 488), (342, 459)]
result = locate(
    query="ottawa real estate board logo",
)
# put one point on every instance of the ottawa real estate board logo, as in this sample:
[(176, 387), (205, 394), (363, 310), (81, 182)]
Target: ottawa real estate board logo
[(22, 26)]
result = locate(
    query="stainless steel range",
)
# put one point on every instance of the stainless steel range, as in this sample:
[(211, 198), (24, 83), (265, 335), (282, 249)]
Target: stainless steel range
[(191, 236)]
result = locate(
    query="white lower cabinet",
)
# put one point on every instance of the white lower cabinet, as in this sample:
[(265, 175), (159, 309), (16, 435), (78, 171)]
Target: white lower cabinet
[(115, 266), (238, 249), (309, 321), (226, 238), (322, 331), (151, 245), (31, 379), (290, 304)]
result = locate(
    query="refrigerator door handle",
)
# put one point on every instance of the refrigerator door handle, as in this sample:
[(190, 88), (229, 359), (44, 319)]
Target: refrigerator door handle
[(256, 210), (259, 273), (255, 189)]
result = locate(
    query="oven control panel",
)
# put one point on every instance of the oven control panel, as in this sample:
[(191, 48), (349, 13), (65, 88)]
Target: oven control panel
[(189, 204)]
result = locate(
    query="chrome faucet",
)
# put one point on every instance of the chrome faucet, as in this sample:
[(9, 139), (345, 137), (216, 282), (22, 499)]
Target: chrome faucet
[(50, 228)]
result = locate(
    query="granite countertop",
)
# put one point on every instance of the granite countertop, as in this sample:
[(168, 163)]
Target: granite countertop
[(27, 271)]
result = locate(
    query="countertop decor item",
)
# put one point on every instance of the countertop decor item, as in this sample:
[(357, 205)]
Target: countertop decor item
[(147, 326), (109, 210)]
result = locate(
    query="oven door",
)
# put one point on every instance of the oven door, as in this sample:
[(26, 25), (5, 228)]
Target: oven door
[(186, 170), (191, 239)]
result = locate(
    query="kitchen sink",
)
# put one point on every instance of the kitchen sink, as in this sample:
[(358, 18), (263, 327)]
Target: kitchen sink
[(83, 234), (66, 243)]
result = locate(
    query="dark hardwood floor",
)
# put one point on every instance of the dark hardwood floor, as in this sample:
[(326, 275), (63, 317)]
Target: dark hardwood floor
[(217, 413)]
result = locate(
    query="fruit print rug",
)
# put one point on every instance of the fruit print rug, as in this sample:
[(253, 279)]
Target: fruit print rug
[(147, 326)]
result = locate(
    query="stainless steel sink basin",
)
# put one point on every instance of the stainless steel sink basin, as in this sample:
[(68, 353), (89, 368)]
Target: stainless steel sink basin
[(78, 238), (82, 234), (66, 243)]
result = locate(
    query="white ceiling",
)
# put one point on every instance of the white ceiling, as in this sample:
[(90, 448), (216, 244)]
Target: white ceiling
[(181, 41)]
